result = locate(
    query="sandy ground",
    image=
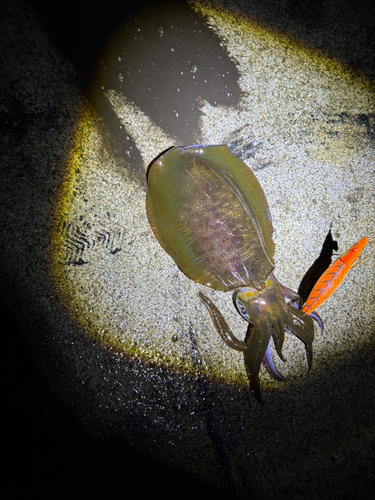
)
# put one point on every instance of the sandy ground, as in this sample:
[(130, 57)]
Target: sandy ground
[(126, 342)]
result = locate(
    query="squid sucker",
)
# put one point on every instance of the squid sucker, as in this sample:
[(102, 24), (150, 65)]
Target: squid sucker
[(209, 213)]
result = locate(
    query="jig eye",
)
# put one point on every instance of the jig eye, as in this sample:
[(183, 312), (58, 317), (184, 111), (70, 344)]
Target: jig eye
[(242, 310)]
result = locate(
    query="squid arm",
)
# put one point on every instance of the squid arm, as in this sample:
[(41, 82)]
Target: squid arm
[(256, 349)]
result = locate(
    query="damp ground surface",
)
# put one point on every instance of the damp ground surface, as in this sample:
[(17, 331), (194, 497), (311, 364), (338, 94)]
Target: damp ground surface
[(116, 330)]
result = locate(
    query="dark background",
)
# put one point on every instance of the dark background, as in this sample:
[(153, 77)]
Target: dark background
[(47, 454)]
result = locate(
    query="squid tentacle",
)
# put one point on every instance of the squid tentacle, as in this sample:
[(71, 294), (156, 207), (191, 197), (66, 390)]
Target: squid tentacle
[(221, 325), (270, 366), (304, 330), (297, 302), (278, 336), (254, 354), (295, 299), (316, 317), (268, 316)]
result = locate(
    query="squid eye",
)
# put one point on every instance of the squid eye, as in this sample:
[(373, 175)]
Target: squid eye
[(242, 310)]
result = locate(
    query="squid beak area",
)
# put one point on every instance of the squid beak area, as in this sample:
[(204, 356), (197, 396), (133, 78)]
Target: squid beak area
[(257, 343)]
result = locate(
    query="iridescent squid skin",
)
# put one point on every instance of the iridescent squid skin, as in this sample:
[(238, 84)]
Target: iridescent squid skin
[(209, 213)]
